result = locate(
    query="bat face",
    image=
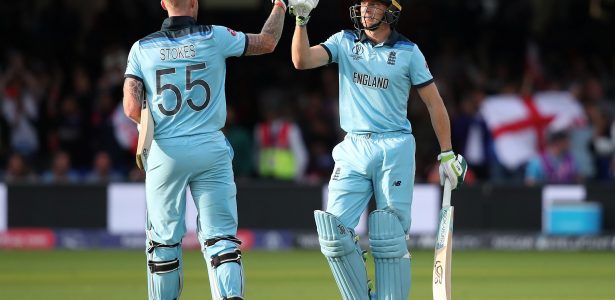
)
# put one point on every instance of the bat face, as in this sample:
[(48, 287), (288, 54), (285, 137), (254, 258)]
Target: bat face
[(443, 255)]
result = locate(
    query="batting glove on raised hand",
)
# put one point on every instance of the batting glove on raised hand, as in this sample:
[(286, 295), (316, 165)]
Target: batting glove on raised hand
[(453, 167), (301, 9)]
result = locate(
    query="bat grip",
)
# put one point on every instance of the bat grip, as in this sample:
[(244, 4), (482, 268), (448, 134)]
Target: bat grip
[(446, 193)]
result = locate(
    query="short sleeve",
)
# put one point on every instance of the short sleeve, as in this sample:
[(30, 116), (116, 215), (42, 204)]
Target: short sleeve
[(332, 46), (133, 68), (230, 42), (419, 70)]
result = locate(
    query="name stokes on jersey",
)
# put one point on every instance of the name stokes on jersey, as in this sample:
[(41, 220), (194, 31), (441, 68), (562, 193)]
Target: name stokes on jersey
[(370, 81), (185, 51)]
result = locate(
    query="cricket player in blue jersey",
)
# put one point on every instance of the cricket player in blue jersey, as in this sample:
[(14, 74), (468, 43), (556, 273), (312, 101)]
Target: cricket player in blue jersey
[(181, 71), (377, 68)]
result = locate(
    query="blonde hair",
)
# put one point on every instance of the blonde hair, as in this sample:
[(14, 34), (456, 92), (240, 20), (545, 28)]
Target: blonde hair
[(176, 3)]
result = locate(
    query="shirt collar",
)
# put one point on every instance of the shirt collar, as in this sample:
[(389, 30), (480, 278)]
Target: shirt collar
[(391, 40), (394, 37), (174, 23)]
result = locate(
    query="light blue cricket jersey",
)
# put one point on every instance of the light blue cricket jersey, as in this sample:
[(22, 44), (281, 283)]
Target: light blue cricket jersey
[(183, 69), (375, 80)]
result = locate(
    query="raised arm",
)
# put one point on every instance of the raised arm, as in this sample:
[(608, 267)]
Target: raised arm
[(266, 41), (133, 93), (304, 56)]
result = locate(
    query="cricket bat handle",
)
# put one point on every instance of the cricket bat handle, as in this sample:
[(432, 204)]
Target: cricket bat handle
[(446, 193)]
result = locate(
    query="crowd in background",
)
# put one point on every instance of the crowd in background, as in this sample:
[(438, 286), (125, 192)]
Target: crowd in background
[(62, 66)]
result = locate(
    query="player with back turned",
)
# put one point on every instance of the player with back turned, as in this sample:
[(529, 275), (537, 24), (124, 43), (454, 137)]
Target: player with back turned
[(377, 68), (180, 70)]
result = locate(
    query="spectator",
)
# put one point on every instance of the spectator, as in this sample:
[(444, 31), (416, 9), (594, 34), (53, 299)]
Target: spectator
[(555, 164), (281, 153), (71, 130), (20, 107), (61, 170), (17, 171), (102, 171), (103, 130), (21, 114), (471, 136)]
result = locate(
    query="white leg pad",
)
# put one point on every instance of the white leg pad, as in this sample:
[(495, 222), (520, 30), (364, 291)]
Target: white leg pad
[(344, 255), (387, 240)]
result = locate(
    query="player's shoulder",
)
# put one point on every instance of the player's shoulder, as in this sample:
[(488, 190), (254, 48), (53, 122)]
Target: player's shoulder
[(220, 30), (401, 42), (349, 35), (204, 31), (344, 35), (151, 36)]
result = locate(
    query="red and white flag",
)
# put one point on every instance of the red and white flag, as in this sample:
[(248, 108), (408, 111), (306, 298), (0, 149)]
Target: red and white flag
[(518, 124)]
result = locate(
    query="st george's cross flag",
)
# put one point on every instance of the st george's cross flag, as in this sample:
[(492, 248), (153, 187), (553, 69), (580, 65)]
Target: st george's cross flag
[(518, 124)]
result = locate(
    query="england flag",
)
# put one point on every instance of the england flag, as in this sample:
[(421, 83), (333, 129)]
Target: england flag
[(519, 124)]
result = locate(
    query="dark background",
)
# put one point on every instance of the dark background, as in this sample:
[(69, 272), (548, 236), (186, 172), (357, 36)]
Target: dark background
[(73, 54)]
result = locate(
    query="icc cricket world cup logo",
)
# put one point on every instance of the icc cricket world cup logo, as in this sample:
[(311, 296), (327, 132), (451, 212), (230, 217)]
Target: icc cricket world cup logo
[(438, 272)]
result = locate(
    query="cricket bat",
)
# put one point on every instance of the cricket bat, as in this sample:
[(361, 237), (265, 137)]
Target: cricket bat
[(146, 134), (444, 248)]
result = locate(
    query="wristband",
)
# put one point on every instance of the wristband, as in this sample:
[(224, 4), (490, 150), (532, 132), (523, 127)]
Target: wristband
[(302, 21), (281, 4)]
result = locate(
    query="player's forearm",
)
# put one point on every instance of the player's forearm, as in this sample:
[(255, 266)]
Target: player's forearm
[(441, 124), (132, 112), (266, 41), (438, 114), (300, 48), (275, 23)]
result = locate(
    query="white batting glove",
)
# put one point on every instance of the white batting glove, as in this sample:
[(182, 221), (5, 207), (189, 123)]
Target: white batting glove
[(301, 9), (453, 167)]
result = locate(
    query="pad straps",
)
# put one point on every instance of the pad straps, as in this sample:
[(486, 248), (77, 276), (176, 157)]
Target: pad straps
[(153, 245), (225, 258), (211, 242), (157, 267)]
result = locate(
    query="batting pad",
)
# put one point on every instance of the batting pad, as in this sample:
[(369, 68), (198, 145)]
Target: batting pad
[(164, 272), (225, 269), (387, 240), (344, 255)]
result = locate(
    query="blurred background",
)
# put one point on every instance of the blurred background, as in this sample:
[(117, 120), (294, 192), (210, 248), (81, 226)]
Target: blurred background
[(529, 86), (62, 65)]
